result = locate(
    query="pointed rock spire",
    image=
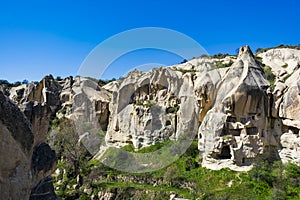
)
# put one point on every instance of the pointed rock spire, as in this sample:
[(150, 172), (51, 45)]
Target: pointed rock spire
[(245, 51)]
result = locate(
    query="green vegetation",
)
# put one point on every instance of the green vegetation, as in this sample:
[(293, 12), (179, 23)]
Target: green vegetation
[(259, 59), (221, 64), (184, 71), (148, 104), (286, 77), (268, 73), (261, 50), (184, 61), (269, 76), (285, 65), (173, 109), (220, 56), (58, 78), (185, 178), (15, 84), (104, 82)]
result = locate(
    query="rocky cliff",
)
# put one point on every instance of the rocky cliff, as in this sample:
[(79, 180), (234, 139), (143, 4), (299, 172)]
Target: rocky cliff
[(241, 109), (238, 113), (285, 64), (24, 163)]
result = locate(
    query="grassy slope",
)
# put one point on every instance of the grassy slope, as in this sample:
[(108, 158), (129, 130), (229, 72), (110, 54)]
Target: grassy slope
[(188, 180)]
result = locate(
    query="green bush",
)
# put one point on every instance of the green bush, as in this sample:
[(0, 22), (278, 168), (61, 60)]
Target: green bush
[(173, 109), (220, 64), (286, 77), (269, 76), (285, 65), (259, 59), (220, 55)]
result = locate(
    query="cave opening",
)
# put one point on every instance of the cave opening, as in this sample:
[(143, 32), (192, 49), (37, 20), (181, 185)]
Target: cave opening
[(225, 153), (168, 123)]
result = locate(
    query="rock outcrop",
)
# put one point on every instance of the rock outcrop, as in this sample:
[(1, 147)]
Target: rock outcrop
[(285, 65), (238, 115), (235, 131), (240, 119), (21, 168), (281, 60), (152, 107), (38, 102)]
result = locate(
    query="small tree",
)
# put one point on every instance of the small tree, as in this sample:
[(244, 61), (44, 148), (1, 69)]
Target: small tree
[(25, 82), (65, 141)]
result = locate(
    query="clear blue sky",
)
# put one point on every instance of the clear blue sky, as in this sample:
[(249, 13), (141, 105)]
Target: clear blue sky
[(54, 37)]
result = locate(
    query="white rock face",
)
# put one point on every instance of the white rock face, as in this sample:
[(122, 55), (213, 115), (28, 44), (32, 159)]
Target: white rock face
[(84, 97), (234, 132), (285, 65), (226, 101), (281, 59), (290, 113), (151, 107), (203, 63), (87, 104), (38, 102), (232, 107), (290, 151)]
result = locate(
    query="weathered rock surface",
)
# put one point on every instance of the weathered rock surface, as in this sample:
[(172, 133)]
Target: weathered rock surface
[(151, 107), (226, 101), (39, 102), (235, 130), (241, 119), (281, 60), (20, 168), (78, 97), (44, 190), (289, 112), (285, 64)]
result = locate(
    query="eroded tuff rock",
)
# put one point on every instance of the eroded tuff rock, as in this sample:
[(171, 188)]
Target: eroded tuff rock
[(289, 112), (241, 120), (152, 107), (69, 97), (87, 99), (38, 102), (19, 172), (285, 64), (235, 131), (226, 101), (281, 60)]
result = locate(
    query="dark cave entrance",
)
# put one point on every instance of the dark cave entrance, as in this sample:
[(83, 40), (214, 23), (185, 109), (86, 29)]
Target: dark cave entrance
[(225, 153)]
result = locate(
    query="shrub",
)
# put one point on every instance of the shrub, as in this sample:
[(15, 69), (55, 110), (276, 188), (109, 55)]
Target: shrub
[(286, 77), (269, 76), (285, 65), (220, 55), (173, 109), (220, 64)]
